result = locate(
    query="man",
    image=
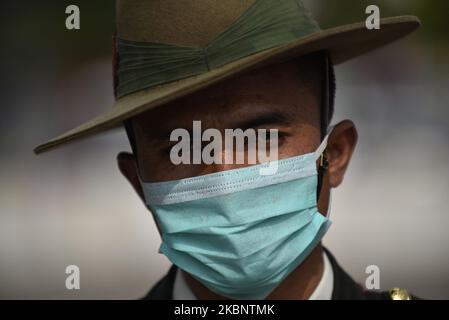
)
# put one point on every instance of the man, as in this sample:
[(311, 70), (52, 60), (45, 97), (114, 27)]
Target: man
[(230, 231)]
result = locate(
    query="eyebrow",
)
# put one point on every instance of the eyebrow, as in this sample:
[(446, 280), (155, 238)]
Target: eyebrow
[(265, 119)]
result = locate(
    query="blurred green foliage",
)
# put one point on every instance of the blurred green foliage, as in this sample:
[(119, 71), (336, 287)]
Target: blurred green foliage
[(40, 25), (433, 14), (37, 24)]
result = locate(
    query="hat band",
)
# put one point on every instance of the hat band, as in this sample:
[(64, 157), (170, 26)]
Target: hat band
[(264, 25)]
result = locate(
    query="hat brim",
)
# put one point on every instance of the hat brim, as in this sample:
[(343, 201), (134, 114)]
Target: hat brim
[(343, 42)]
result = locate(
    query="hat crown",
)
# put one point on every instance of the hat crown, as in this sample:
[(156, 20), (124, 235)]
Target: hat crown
[(146, 63), (180, 22)]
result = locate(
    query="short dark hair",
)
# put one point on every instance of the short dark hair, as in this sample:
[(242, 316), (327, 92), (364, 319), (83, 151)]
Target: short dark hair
[(325, 115), (328, 90), (332, 91)]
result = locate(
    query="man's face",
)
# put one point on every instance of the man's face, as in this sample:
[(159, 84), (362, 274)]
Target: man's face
[(283, 97)]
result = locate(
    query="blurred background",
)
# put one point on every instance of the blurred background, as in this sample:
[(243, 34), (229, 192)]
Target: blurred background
[(72, 206)]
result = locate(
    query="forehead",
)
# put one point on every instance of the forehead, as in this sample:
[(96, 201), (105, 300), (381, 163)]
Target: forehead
[(291, 88)]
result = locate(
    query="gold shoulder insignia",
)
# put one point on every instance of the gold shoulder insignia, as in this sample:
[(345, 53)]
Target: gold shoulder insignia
[(399, 294)]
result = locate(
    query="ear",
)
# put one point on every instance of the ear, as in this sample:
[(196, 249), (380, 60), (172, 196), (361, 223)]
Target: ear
[(128, 167), (340, 147)]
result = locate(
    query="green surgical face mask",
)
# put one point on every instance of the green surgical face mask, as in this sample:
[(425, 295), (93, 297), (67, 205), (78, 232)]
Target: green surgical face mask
[(238, 232)]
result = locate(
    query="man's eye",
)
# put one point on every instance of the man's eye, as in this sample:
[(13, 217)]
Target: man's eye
[(269, 140), (281, 136), (167, 150)]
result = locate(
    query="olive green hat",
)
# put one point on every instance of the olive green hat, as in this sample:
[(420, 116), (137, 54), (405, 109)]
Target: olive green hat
[(166, 49)]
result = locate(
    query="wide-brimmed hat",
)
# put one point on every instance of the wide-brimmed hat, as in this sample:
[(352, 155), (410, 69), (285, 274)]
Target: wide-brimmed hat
[(166, 49)]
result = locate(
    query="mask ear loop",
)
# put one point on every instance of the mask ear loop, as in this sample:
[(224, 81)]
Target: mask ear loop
[(324, 115)]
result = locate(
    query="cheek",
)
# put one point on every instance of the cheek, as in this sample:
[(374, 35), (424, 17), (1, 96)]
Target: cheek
[(298, 144), (291, 149), (157, 168)]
